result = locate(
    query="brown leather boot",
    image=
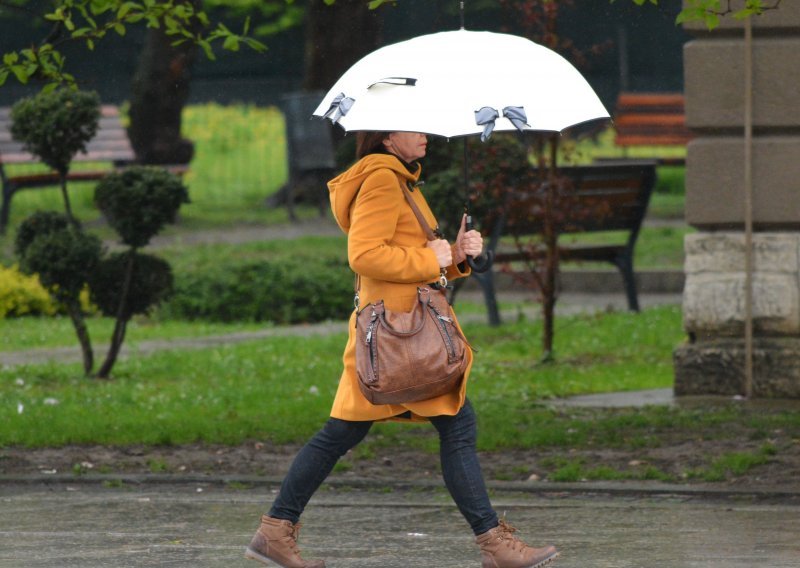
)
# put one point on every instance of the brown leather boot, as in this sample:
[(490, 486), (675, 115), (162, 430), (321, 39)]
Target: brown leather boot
[(501, 549), (275, 541)]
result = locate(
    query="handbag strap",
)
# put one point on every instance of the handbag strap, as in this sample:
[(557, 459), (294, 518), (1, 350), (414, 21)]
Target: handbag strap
[(429, 234), (418, 214)]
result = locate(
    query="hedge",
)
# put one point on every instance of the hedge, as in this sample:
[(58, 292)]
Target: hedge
[(263, 291)]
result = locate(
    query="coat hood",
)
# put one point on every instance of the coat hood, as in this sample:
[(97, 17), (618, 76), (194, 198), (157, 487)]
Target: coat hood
[(344, 187)]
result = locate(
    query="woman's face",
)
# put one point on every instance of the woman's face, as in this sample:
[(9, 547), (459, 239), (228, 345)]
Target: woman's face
[(408, 146)]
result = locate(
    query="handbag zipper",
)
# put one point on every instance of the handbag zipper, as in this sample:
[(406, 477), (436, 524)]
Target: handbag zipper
[(373, 348), (443, 321)]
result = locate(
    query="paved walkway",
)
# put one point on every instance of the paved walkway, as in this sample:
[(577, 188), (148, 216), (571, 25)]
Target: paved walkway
[(567, 304), (205, 525)]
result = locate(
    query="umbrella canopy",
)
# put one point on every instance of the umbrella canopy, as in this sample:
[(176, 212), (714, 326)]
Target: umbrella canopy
[(461, 83)]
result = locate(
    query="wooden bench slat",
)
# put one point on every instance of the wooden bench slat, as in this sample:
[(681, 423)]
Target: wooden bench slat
[(651, 119), (637, 140), (656, 121), (105, 110), (51, 178), (567, 253)]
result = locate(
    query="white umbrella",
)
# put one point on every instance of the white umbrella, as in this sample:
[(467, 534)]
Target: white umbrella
[(453, 83)]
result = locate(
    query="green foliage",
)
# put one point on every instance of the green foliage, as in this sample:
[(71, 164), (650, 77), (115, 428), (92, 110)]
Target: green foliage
[(22, 295), (710, 11), (139, 201), (89, 21), (278, 292), (38, 224), (63, 258), (151, 282), (56, 125)]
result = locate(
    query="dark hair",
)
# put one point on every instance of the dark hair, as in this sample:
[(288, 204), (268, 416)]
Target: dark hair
[(370, 143)]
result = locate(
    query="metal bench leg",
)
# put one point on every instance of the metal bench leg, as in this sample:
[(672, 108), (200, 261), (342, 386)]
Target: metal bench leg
[(457, 285), (625, 265), (486, 280), (487, 286), (5, 207)]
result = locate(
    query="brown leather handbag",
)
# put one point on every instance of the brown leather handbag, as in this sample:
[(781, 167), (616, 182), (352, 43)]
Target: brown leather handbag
[(409, 356)]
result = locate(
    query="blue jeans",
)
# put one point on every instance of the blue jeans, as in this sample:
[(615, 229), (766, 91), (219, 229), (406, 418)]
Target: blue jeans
[(460, 467)]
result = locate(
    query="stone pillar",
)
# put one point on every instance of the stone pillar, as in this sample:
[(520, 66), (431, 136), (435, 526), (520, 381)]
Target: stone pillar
[(712, 361)]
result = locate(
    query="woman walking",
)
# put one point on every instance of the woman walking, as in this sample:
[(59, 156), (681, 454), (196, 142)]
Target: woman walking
[(388, 250)]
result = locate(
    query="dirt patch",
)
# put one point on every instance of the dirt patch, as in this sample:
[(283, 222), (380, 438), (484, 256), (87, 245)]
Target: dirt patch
[(781, 468)]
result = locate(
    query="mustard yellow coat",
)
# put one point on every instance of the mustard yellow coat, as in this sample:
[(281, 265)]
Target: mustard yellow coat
[(387, 248)]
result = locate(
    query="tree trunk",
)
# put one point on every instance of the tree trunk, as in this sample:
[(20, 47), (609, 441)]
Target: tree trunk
[(121, 324), (67, 207), (550, 235), (549, 280), (159, 92), (117, 339), (76, 315), (336, 37)]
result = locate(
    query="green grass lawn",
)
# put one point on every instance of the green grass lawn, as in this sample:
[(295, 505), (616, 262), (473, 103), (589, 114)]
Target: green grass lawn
[(281, 388)]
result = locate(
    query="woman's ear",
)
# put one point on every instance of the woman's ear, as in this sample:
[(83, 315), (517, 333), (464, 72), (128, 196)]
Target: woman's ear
[(387, 143)]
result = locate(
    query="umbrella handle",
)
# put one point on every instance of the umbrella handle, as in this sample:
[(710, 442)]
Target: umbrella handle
[(483, 262)]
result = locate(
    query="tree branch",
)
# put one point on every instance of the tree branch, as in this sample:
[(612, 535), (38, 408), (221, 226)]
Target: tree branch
[(19, 8), (730, 9)]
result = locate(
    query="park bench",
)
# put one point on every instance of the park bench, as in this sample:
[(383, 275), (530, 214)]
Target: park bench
[(602, 197), (310, 152), (651, 119), (109, 146)]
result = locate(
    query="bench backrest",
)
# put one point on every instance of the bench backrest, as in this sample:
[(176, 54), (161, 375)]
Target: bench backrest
[(309, 141), (604, 197), (110, 144), (651, 119)]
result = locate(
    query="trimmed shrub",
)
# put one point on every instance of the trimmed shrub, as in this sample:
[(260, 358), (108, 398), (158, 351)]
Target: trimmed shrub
[(56, 125), (151, 282), (278, 292), (40, 223), (139, 201), (63, 259)]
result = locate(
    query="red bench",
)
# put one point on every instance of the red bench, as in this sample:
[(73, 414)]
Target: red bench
[(651, 119)]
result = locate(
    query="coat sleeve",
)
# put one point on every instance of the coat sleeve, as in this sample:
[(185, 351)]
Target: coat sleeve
[(370, 249), (455, 271)]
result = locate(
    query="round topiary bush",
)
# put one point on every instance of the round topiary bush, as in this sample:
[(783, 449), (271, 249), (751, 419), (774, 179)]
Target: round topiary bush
[(151, 282), (40, 223), (139, 201), (64, 260), (55, 126)]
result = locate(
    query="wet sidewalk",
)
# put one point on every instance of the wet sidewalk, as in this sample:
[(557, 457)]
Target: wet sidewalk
[(208, 525)]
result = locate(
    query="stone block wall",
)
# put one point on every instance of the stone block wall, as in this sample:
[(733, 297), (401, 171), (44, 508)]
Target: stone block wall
[(713, 360), (714, 88)]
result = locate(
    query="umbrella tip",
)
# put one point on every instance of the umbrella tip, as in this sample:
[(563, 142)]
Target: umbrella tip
[(461, 11)]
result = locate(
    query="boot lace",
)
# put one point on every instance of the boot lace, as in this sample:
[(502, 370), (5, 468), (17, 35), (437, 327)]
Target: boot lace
[(507, 536), (292, 537)]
